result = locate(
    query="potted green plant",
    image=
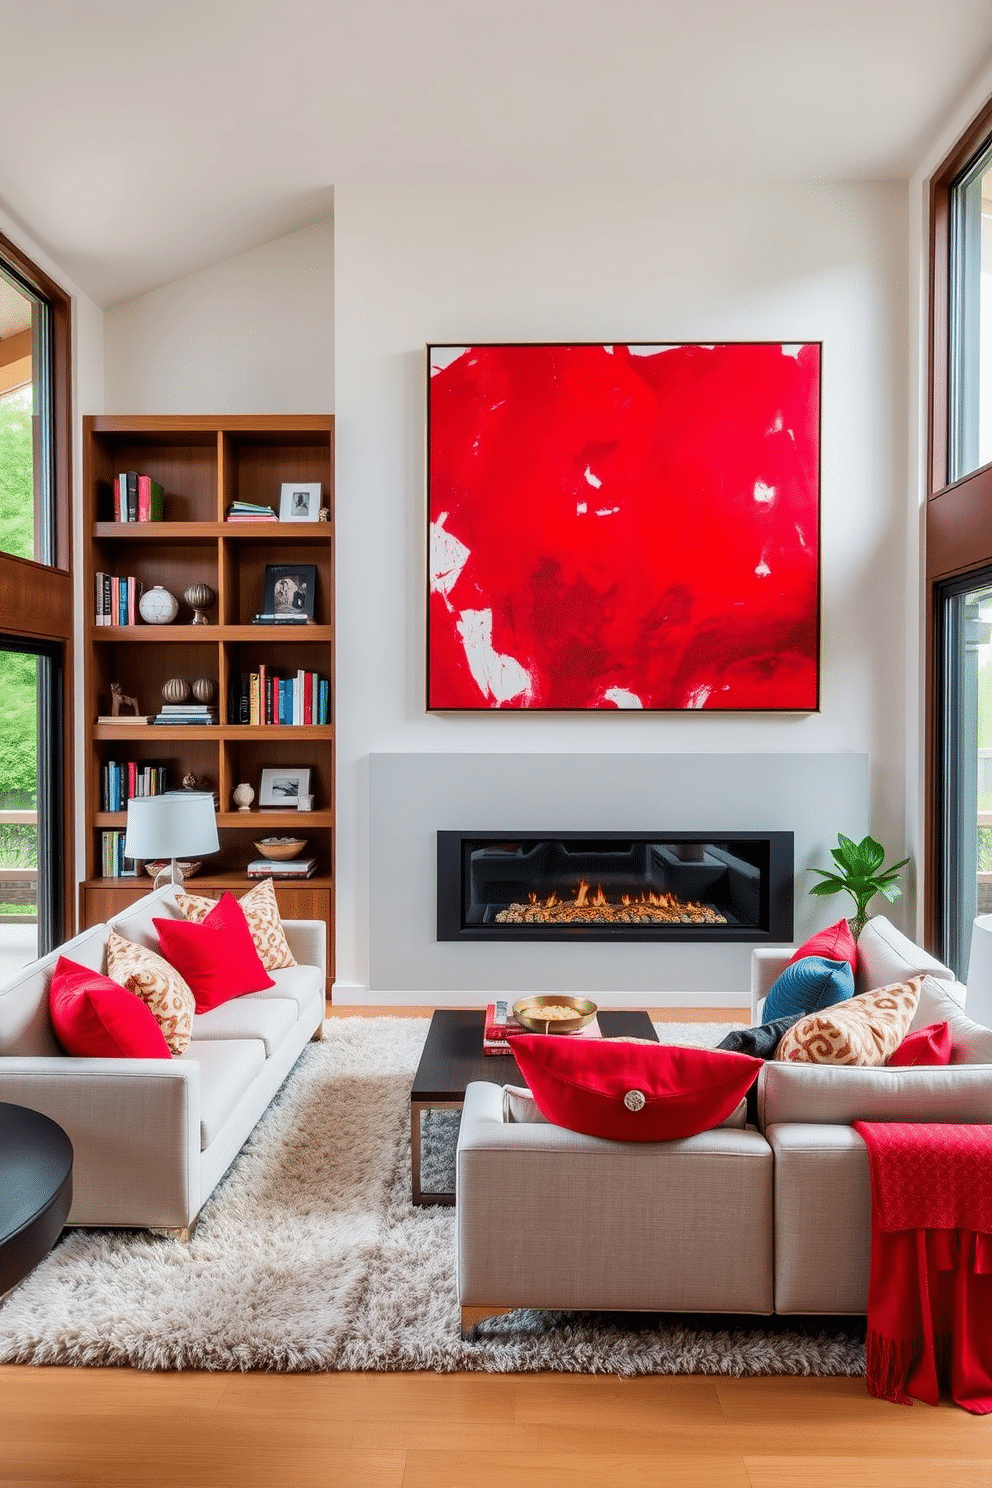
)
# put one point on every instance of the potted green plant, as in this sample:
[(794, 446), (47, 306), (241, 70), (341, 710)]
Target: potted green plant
[(860, 872)]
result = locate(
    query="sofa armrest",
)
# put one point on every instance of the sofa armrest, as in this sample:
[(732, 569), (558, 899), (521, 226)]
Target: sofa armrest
[(307, 939), (134, 1125), (767, 962), (834, 1094)]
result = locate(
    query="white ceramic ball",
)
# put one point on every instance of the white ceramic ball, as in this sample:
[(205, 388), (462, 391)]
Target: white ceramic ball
[(243, 795), (157, 606)]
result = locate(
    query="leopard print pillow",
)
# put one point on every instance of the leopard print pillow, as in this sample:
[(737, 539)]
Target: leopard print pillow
[(159, 985), (864, 1030), (262, 913)]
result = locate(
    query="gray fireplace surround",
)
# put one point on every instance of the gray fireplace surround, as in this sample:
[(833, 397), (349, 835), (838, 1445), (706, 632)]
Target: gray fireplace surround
[(413, 796)]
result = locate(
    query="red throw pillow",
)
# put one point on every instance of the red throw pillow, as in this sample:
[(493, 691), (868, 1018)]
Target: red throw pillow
[(836, 943), (217, 958), (930, 1045), (632, 1092), (95, 1018)]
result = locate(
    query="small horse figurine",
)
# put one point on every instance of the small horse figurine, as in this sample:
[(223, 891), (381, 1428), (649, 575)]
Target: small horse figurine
[(120, 703)]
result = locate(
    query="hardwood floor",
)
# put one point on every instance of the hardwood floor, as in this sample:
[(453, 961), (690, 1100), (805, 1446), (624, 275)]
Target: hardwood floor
[(93, 1428)]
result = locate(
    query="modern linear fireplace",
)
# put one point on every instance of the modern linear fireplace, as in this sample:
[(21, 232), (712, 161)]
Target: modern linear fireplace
[(615, 886)]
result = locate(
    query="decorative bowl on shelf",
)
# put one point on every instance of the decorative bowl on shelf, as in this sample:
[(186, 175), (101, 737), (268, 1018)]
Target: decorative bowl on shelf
[(187, 869), (555, 1013), (280, 849)]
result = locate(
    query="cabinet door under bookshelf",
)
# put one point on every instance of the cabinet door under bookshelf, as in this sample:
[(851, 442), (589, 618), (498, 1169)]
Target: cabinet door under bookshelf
[(203, 465)]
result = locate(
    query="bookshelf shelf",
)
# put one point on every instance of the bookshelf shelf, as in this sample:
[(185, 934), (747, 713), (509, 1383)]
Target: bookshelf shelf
[(203, 464)]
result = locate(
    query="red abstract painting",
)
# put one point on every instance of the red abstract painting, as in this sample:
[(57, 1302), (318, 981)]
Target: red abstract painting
[(624, 526)]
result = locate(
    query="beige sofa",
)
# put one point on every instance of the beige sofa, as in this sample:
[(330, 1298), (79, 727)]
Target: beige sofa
[(773, 1218), (152, 1137)]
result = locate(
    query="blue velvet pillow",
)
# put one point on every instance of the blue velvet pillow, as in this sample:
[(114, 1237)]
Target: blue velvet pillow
[(806, 986)]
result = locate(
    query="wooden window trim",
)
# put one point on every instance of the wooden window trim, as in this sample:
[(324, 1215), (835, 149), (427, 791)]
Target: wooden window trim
[(958, 518), (36, 599)]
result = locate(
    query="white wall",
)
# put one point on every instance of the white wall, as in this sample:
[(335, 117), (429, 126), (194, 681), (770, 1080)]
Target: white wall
[(674, 262), (252, 334)]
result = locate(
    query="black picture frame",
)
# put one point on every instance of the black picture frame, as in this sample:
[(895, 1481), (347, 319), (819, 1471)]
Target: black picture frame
[(290, 591)]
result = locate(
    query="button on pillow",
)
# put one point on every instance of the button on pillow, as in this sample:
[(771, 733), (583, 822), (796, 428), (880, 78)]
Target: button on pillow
[(95, 1018), (806, 986), (631, 1092), (218, 958)]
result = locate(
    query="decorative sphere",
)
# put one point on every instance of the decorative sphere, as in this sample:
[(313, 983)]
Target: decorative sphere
[(176, 690), (157, 606), (199, 597), (243, 795), (204, 689)]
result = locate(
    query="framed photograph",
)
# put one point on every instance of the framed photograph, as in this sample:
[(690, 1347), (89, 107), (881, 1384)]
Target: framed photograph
[(284, 787), (290, 591), (299, 501), (624, 527)]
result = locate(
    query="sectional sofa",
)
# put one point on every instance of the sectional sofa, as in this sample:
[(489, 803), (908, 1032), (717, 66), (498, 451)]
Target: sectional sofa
[(765, 1218), (153, 1137)]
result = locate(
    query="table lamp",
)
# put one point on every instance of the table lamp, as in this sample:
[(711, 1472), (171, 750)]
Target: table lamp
[(175, 824), (978, 1000)]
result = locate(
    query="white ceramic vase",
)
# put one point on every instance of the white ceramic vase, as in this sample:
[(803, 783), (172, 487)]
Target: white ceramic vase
[(157, 606)]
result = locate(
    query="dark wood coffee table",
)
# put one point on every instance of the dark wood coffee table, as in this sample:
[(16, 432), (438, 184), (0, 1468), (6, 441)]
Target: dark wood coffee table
[(453, 1058), (35, 1190)]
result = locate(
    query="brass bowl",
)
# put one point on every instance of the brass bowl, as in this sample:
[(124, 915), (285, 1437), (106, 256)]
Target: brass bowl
[(280, 849), (528, 1013)]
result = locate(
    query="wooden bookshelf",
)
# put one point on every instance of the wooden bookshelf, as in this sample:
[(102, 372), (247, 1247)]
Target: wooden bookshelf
[(203, 464)]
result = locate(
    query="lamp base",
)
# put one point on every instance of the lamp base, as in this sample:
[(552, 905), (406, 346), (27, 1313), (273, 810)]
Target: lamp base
[(170, 874)]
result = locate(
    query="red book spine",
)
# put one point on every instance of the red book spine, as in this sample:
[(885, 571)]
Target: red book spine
[(144, 498), (308, 697), (132, 779)]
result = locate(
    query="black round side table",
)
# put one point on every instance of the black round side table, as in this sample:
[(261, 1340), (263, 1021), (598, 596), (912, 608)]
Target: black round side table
[(35, 1190)]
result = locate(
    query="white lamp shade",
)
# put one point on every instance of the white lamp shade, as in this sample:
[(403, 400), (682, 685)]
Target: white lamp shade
[(176, 824), (978, 1001)]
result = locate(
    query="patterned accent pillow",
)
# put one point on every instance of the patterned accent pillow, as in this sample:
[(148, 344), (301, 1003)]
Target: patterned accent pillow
[(864, 1030), (159, 985), (261, 910)]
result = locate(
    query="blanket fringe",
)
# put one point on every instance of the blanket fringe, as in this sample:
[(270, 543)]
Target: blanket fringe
[(889, 1362)]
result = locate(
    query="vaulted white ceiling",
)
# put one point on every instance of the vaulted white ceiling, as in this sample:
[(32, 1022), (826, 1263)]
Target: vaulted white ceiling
[(141, 139)]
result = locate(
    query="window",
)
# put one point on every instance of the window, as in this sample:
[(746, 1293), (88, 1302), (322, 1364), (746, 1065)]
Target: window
[(27, 475), (36, 909), (970, 391)]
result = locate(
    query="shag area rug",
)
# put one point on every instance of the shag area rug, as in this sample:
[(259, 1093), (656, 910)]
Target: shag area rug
[(311, 1256)]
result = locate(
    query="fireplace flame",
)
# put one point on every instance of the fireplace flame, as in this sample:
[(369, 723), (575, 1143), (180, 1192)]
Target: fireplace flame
[(593, 905)]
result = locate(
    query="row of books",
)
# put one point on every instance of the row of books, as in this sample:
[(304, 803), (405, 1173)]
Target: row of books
[(137, 498), (117, 599), (113, 862), (293, 868), (266, 696), (121, 782)]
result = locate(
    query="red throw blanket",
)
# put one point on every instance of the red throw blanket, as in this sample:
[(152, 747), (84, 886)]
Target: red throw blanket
[(930, 1284)]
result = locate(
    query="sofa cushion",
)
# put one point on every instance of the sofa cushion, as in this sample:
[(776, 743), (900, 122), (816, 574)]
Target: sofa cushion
[(159, 985), (886, 956), (865, 1030), (971, 1042), (227, 1069), (806, 986), (838, 1093), (256, 1016), (261, 911), (297, 984), (96, 1018), (631, 1092), (837, 943), (930, 1045), (218, 958)]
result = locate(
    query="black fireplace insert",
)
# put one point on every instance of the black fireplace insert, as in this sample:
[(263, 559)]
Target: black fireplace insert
[(706, 886)]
